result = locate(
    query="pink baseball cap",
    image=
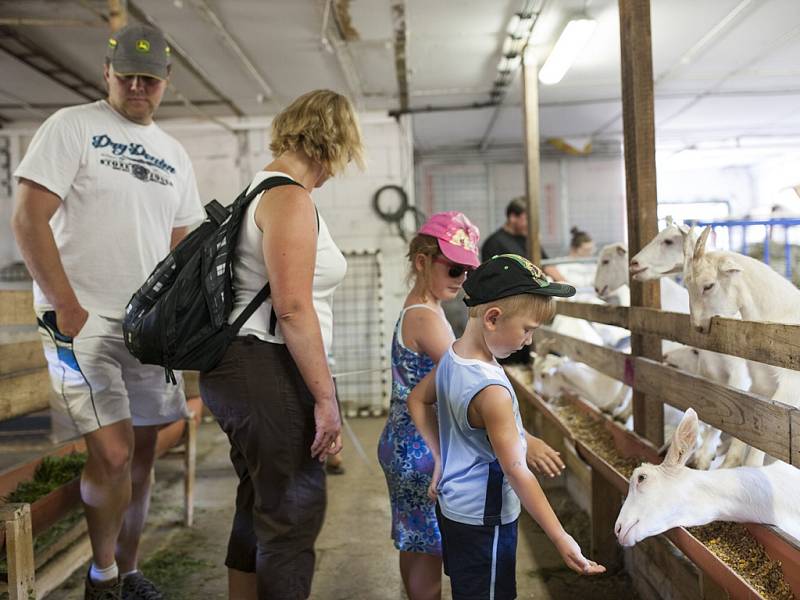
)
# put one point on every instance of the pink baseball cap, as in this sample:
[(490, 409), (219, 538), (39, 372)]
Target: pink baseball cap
[(456, 235)]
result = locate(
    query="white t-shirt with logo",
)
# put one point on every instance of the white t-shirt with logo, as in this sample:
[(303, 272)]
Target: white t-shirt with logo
[(123, 187)]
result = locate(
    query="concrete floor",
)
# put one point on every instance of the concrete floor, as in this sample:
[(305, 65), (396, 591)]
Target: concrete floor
[(355, 556)]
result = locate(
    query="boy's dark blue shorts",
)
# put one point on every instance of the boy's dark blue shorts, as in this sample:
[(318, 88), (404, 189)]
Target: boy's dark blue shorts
[(480, 560)]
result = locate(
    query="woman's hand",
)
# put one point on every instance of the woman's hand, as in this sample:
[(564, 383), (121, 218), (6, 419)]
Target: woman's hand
[(542, 458), (437, 475), (573, 557), (327, 439)]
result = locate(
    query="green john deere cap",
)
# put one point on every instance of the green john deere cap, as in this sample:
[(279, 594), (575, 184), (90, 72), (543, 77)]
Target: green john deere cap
[(507, 275), (139, 50)]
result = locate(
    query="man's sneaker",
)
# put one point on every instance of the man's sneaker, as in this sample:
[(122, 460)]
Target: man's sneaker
[(96, 592), (138, 587)]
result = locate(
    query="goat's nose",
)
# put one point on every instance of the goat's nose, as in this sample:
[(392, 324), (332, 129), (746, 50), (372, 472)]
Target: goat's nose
[(634, 264), (617, 528)]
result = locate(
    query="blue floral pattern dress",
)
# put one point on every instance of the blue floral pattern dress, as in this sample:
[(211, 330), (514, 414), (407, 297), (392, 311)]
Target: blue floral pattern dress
[(404, 456)]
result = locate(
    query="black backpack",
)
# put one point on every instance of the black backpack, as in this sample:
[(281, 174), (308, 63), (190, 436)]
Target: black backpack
[(179, 318)]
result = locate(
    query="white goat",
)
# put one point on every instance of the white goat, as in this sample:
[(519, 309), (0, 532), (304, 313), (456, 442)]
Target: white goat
[(612, 275), (720, 368), (729, 284), (672, 495), (664, 255)]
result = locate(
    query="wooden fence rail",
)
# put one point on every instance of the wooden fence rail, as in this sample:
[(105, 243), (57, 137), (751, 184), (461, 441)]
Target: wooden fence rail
[(771, 343), (757, 421)]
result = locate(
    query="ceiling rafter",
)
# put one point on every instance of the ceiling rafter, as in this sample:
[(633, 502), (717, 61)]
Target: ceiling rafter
[(37, 58)]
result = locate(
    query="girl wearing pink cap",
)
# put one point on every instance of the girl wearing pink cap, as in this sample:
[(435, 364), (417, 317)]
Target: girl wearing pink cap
[(441, 253)]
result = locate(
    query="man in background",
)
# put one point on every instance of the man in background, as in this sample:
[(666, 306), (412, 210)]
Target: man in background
[(512, 237)]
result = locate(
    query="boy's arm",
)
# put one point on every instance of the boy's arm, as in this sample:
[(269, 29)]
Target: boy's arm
[(493, 405), (421, 402)]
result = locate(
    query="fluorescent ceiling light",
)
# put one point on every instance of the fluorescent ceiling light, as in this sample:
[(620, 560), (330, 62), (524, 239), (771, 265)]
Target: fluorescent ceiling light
[(569, 45)]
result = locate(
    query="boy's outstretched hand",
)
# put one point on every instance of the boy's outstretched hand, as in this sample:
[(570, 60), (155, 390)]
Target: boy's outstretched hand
[(573, 557), (542, 458)]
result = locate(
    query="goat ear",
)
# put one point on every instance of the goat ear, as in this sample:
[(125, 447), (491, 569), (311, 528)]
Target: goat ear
[(728, 266), (683, 440), (621, 250), (688, 248), (700, 246), (670, 222)]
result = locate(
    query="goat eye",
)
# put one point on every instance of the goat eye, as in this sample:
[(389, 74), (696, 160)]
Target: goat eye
[(708, 286), (668, 242), (641, 478), (605, 262)]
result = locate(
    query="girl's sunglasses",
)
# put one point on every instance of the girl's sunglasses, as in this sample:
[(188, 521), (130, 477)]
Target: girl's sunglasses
[(455, 271)]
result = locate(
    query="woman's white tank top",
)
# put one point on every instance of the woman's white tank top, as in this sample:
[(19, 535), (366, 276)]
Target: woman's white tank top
[(250, 275)]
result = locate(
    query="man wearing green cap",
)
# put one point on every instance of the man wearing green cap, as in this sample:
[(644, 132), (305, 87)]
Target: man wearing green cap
[(103, 194)]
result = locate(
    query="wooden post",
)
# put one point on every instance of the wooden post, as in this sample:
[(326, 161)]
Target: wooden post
[(117, 15), (530, 87), (640, 186), (606, 504), (16, 520), (190, 460)]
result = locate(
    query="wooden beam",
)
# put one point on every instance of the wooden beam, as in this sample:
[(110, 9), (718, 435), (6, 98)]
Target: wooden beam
[(16, 307), (21, 356), (599, 313), (606, 504), (640, 183), (16, 521), (775, 344), (24, 393), (530, 91), (796, 438), (755, 421), (772, 343)]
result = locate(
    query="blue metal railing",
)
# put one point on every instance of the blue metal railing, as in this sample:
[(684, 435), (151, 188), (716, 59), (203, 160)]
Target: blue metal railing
[(768, 224)]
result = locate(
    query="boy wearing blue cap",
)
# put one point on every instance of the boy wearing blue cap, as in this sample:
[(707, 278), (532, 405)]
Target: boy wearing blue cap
[(480, 474)]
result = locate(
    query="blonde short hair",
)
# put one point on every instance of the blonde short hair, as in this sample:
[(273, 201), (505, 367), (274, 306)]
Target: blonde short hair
[(323, 125), (540, 308), (427, 246)]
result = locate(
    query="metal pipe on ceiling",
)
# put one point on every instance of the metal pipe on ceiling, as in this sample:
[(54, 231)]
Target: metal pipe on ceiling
[(189, 64), (36, 22), (528, 8), (202, 7), (183, 57)]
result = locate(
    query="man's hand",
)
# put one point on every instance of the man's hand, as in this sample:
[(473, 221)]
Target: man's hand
[(327, 439), (542, 458), (70, 321), (573, 557)]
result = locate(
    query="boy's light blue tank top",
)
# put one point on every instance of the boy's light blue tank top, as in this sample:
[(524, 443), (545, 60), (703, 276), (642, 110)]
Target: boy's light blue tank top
[(473, 489)]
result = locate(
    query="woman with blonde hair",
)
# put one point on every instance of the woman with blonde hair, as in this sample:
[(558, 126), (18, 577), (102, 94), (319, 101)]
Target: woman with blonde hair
[(272, 393)]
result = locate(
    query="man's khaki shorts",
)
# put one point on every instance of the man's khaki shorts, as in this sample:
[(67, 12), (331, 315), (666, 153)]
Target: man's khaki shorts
[(97, 382)]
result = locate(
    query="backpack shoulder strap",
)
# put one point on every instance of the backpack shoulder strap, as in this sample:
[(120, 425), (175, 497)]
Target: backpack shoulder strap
[(245, 198), (262, 186)]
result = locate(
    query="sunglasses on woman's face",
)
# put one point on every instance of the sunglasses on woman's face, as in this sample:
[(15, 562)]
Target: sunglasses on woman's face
[(455, 271)]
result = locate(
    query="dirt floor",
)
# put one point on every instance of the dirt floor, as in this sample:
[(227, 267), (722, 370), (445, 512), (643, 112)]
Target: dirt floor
[(355, 556)]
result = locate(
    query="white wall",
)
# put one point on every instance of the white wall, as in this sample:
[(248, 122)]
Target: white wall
[(585, 192)]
